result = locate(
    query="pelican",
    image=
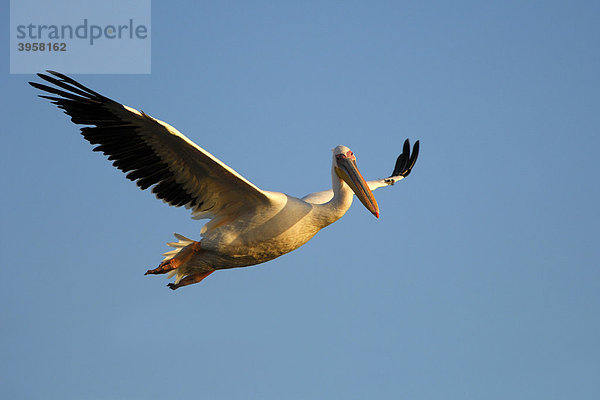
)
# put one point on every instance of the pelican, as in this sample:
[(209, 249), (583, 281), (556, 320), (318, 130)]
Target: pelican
[(247, 226)]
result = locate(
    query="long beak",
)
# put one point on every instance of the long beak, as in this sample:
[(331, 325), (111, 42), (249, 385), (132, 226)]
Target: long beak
[(349, 173)]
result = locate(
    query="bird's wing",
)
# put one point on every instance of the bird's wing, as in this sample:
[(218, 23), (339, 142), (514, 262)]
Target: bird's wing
[(153, 153), (404, 164)]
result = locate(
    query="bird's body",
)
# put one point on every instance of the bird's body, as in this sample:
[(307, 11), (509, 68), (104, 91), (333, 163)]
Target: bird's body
[(254, 238), (247, 225)]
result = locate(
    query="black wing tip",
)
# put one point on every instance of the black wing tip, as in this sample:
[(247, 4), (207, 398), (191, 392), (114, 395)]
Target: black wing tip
[(406, 161), (52, 72), (47, 74), (67, 84)]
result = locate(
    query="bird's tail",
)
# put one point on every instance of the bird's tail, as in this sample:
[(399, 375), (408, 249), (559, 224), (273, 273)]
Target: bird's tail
[(178, 246)]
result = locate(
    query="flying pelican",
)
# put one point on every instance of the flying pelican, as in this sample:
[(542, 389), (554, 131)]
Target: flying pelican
[(247, 226)]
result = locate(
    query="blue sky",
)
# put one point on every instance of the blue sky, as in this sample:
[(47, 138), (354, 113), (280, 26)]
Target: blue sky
[(480, 280)]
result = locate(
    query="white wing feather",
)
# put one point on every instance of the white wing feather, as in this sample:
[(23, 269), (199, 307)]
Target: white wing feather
[(155, 154)]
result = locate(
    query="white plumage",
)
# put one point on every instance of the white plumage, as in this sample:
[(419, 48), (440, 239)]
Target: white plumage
[(247, 225)]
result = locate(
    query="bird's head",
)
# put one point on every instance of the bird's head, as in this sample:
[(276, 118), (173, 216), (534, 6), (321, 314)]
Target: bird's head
[(345, 168)]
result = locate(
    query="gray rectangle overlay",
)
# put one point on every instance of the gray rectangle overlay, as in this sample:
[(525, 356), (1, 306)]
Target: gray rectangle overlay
[(85, 37)]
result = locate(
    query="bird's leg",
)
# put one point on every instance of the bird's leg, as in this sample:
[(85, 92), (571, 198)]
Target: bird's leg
[(190, 279), (182, 257)]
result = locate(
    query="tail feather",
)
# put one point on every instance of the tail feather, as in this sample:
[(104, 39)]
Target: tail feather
[(183, 241), (188, 264)]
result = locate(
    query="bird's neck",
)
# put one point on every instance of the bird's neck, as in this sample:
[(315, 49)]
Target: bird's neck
[(335, 208)]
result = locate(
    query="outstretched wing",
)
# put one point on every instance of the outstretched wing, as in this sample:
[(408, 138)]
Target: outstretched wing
[(153, 153), (404, 164)]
